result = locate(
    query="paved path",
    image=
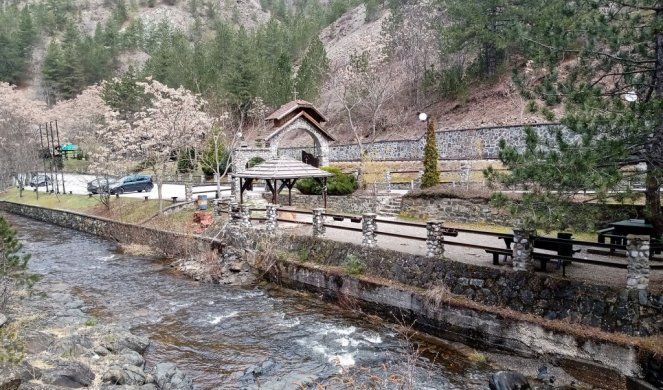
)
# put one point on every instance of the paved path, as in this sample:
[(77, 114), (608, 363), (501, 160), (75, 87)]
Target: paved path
[(586, 272)]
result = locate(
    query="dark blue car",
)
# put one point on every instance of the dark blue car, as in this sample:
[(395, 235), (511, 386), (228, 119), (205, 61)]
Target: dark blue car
[(133, 183)]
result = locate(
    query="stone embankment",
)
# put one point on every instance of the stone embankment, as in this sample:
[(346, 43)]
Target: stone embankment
[(60, 346)]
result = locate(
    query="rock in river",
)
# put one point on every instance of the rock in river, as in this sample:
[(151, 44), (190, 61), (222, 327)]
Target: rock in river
[(68, 374), (169, 377)]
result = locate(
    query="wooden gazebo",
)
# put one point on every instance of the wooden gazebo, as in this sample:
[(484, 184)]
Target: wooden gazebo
[(284, 170)]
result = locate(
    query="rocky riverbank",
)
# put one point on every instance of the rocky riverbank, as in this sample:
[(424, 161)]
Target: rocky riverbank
[(49, 341)]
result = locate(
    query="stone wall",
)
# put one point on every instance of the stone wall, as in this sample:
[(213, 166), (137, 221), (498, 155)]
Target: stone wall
[(480, 211), (454, 209), (341, 204), (611, 309), (464, 144), (171, 244)]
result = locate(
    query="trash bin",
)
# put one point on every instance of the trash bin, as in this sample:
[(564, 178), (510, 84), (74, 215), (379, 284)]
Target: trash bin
[(202, 202)]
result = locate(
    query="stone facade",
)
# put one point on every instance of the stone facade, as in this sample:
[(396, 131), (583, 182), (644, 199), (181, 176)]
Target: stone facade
[(464, 144)]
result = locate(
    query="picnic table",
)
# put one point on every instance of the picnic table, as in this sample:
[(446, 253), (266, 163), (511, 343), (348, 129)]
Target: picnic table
[(617, 232), (562, 248)]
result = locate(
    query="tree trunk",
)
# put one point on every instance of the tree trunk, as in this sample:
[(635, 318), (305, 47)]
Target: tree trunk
[(159, 184)]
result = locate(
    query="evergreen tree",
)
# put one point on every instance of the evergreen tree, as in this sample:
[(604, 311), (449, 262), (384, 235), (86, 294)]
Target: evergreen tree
[(431, 175), (480, 27), (312, 71), (614, 102), (281, 82), (12, 263)]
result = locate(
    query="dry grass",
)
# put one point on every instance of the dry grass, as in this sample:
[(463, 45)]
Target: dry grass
[(137, 250)]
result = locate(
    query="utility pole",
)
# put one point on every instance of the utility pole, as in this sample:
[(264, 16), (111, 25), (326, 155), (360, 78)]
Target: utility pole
[(57, 131), (41, 138)]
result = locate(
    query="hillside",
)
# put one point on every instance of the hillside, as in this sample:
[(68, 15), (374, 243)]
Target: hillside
[(386, 90)]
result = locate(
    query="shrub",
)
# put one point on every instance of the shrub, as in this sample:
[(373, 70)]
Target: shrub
[(186, 161), (339, 184), (353, 266)]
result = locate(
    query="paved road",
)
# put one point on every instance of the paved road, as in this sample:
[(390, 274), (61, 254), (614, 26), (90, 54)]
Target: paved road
[(77, 184)]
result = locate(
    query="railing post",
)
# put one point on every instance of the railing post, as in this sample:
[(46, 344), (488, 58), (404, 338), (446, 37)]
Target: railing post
[(522, 250), (219, 209), (637, 275), (434, 239), (188, 192), (319, 229), (272, 223), (245, 211), (369, 230), (234, 213)]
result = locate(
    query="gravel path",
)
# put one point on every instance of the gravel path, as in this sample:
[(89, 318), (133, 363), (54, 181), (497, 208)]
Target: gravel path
[(587, 272)]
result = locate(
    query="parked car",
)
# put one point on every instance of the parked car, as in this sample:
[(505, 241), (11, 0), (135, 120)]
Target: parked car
[(99, 185), (40, 180), (133, 183)]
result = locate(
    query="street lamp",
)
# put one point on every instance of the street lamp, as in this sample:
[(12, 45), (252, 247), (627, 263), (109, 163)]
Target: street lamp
[(423, 116)]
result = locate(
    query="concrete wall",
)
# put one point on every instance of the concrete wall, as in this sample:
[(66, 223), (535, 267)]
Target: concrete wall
[(341, 204)]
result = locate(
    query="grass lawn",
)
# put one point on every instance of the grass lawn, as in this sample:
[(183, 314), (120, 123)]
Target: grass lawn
[(129, 210)]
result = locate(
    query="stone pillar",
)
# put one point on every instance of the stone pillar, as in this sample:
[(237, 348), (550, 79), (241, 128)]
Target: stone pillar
[(369, 229), (272, 224), (188, 192), (234, 189), (318, 223), (637, 275), (522, 250), (234, 214), (434, 239), (245, 212), (218, 208), (387, 179)]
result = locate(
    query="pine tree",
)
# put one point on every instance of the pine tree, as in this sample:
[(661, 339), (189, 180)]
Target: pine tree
[(431, 175), (12, 263), (312, 71), (613, 92)]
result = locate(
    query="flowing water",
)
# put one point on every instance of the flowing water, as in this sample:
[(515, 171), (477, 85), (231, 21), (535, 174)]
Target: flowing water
[(231, 338)]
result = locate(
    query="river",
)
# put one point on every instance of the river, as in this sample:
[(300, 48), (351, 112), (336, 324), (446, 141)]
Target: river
[(232, 338)]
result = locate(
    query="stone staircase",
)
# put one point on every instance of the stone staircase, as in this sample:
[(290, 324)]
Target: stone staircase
[(391, 208)]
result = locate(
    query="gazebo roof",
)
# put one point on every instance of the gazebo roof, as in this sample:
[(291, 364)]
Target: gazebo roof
[(281, 168)]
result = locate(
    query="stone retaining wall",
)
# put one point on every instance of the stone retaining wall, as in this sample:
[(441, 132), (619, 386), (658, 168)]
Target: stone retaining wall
[(608, 308), (480, 210), (171, 244), (342, 204), (464, 144)]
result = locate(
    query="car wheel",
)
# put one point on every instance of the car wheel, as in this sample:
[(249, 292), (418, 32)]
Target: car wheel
[(119, 191)]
